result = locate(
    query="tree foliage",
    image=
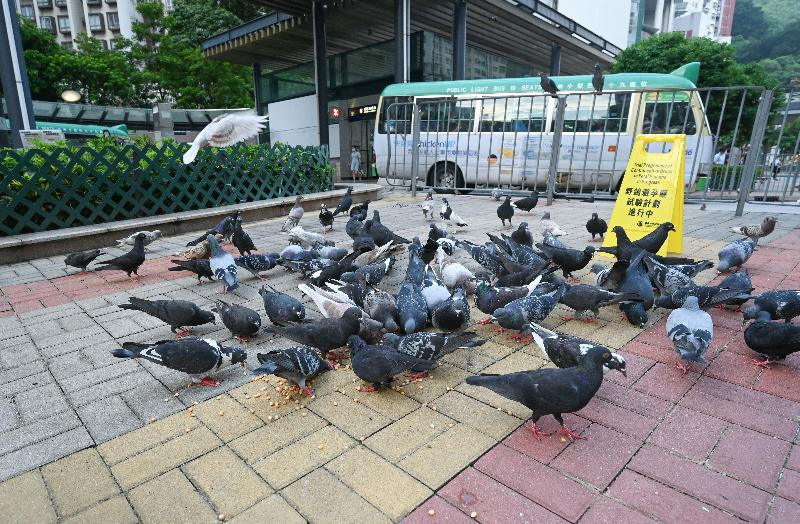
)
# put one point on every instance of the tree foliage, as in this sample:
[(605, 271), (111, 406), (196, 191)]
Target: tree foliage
[(765, 31)]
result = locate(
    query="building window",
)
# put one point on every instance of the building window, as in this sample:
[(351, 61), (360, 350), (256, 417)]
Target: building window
[(169, 5), (104, 43), (44, 4), (93, 2), (48, 23), (27, 12), (63, 24), (61, 3), (111, 2), (96, 22), (113, 21)]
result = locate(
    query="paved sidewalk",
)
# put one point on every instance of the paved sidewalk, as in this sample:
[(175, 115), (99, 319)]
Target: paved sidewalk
[(719, 443)]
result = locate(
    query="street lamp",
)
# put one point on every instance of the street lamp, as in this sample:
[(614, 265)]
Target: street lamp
[(70, 96)]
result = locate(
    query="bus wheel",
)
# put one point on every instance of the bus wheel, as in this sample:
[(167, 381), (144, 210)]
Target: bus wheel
[(446, 178)]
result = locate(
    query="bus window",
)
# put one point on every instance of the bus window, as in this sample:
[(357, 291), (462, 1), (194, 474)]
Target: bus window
[(604, 113), (513, 114), (447, 117), (395, 117), (668, 117)]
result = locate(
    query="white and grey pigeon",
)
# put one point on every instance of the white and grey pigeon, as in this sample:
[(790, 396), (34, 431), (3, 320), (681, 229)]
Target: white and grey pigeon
[(690, 329), (735, 254), (434, 291), (666, 278), (453, 273), (566, 351), (223, 265), (226, 130), (427, 206), (149, 238), (296, 364), (549, 225), (757, 231), (448, 214), (195, 356), (307, 238), (295, 214)]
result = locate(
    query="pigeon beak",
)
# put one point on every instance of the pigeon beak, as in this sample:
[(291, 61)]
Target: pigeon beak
[(624, 373)]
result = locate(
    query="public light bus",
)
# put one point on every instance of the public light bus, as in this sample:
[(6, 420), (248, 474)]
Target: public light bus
[(492, 133)]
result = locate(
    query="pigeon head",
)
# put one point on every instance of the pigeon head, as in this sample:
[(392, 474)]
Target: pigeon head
[(356, 344), (508, 318), (447, 245), (589, 250), (324, 207), (508, 199), (213, 244), (390, 324), (617, 362), (429, 195), (156, 233), (238, 356), (598, 356), (444, 200), (669, 226), (618, 229), (140, 236), (352, 315), (597, 67), (752, 313), (298, 311), (663, 301), (543, 75), (391, 339), (594, 215), (523, 225), (546, 215), (207, 316), (635, 313), (597, 267)]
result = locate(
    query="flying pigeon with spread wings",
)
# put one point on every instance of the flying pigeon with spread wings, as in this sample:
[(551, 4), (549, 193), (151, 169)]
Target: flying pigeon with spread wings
[(226, 130)]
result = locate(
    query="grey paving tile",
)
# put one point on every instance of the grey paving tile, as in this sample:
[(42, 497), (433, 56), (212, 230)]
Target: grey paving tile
[(108, 418), (108, 388), (43, 452), (37, 431), (152, 400), (96, 376)]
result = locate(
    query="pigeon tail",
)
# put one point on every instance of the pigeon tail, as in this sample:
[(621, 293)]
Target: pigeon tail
[(266, 368), (480, 380), (410, 326), (539, 334), (123, 353)]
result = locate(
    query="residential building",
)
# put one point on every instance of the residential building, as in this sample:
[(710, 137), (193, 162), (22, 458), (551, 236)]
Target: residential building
[(705, 18)]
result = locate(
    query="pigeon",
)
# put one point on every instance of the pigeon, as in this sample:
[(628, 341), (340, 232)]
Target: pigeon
[(427, 206), (597, 79), (497, 195), (483, 255), (585, 297), (195, 356), (129, 262), (690, 270), (335, 270), (735, 254), (176, 313), (505, 211), (354, 226), (223, 265), (523, 235), (356, 290), (241, 239), (201, 250), (255, 264), (281, 309), (448, 214), (453, 313), (382, 234), (707, 296), (364, 241), (434, 291), (149, 238), (596, 226), (566, 351), (325, 217), (296, 253), (568, 259), (382, 307), (202, 238), (373, 272), (755, 232), (307, 267), (453, 273), (527, 203), (631, 277), (360, 210), (551, 391), (307, 238), (548, 225), (377, 365), (296, 364), (199, 267), (690, 329), (741, 281), (435, 233), (780, 304), (82, 259), (653, 241), (345, 202), (330, 304), (224, 227), (412, 310), (666, 278), (601, 274), (331, 252), (241, 321), (430, 346), (548, 86), (774, 340), (226, 130), (532, 308), (295, 214), (488, 298), (325, 334), (553, 241), (703, 206)]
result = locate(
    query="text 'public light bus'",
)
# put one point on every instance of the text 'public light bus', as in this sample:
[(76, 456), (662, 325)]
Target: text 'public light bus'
[(492, 133)]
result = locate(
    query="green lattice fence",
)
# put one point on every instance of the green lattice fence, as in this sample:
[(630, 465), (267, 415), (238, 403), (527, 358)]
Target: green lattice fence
[(56, 187)]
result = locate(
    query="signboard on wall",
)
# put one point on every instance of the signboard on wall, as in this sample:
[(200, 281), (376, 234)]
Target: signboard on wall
[(45, 136), (355, 114)]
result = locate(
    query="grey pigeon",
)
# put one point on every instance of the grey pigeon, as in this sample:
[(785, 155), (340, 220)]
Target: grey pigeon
[(585, 297), (281, 309), (382, 234), (553, 241), (255, 264), (523, 235), (780, 304), (551, 391), (326, 217), (505, 211), (430, 346), (149, 238), (548, 86), (382, 306), (666, 278), (374, 272), (453, 313), (690, 270), (82, 259), (690, 329), (412, 310), (757, 231), (199, 267), (295, 214), (527, 203), (596, 226), (345, 202), (325, 334), (597, 79), (241, 321), (296, 364), (241, 239), (735, 254), (332, 252), (129, 262), (774, 340), (360, 209), (631, 277), (434, 291), (482, 255), (378, 364), (223, 265), (176, 313), (707, 296), (194, 356), (533, 308), (353, 226), (488, 298), (566, 351)]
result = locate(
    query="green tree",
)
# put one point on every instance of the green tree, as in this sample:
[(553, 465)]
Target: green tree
[(102, 76), (193, 21), (44, 59)]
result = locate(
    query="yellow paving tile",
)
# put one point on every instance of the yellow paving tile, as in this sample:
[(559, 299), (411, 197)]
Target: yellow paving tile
[(116, 510), (227, 418), (489, 421), (24, 500), (352, 417), (170, 498), (275, 435), (72, 495), (408, 434), (133, 443), (271, 509)]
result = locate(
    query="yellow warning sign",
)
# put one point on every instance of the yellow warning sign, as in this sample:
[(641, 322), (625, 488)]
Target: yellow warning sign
[(652, 191)]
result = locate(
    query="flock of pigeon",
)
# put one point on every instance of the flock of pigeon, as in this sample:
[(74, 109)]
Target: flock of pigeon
[(511, 278)]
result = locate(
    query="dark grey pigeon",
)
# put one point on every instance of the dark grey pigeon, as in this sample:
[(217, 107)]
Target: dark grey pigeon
[(780, 304), (378, 364), (296, 364), (690, 270), (202, 238), (488, 298), (223, 265), (241, 239), (345, 202), (505, 211), (632, 278), (774, 340), (225, 226), (566, 351), (129, 262), (325, 334), (177, 313), (412, 310), (597, 79), (382, 307), (548, 86), (482, 255), (551, 391), (666, 278), (735, 254), (453, 313), (527, 203), (739, 280), (354, 226), (523, 235), (198, 266), (360, 209), (533, 308), (435, 233), (307, 268), (281, 308), (585, 297), (241, 321), (690, 329), (194, 356), (551, 240), (382, 234), (356, 290), (707, 296), (374, 272), (82, 259), (296, 253), (255, 264), (596, 226), (568, 260), (653, 241), (416, 270), (430, 346)]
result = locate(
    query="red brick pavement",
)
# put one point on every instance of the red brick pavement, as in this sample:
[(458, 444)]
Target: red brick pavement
[(718, 444)]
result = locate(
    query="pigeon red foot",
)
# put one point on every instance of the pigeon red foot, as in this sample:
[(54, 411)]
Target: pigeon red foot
[(209, 382), (241, 340), (417, 375), (367, 389), (185, 332), (567, 318), (262, 278), (307, 391), (538, 433), (683, 367), (764, 364), (498, 330), (486, 321), (570, 434)]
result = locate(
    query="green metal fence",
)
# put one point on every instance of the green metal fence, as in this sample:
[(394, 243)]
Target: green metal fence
[(51, 188)]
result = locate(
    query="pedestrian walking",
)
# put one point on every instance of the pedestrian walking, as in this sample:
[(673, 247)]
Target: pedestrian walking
[(355, 164)]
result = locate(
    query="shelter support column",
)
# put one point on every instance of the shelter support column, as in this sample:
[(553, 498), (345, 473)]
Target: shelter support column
[(459, 39), (321, 71), (555, 59), (402, 41), (14, 76)]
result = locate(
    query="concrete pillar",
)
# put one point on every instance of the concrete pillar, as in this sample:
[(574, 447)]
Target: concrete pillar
[(14, 76), (555, 59), (402, 41), (321, 71), (163, 124), (459, 39)]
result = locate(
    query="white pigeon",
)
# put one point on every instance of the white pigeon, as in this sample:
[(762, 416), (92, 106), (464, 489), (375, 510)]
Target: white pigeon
[(690, 329), (226, 130), (453, 273), (149, 238), (295, 214), (448, 214), (307, 238), (427, 206), (332, 304), (433, 290), (550, 227)]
